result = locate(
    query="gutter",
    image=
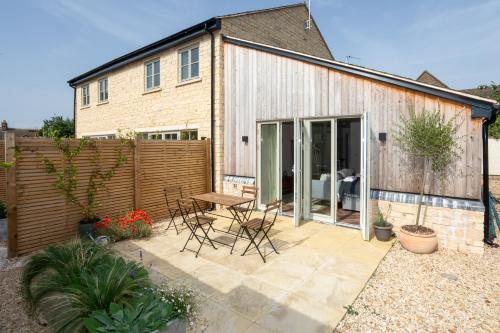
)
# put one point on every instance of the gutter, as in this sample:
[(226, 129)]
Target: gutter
[(486, 174)]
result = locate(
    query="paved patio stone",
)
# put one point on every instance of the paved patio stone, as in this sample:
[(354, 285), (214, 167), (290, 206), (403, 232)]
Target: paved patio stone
[(320, 269)]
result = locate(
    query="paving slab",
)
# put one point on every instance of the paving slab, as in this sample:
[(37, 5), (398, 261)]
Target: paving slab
[(321, 269)]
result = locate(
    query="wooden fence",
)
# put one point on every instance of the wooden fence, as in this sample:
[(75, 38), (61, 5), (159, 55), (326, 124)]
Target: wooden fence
[(3, 180), (38, 215)]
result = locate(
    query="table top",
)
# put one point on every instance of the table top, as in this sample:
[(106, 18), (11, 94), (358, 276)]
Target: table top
[(222, 199)]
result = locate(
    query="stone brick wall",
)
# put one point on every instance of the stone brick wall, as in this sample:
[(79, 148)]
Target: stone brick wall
[(456, 229), (174, 106), (283, 28)]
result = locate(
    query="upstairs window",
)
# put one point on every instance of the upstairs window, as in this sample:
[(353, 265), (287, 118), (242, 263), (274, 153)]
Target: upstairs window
[(103, 90), (85, 95), (152, 74), (189, 61)]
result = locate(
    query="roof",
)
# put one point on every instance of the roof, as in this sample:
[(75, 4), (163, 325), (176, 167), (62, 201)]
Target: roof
[(482, 91), (165, 43), (481, 107), (429, 78)]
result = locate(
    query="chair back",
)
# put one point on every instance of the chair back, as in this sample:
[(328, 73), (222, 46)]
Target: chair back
[(172, 191), (185, 207), (249, 191), (274, 205)]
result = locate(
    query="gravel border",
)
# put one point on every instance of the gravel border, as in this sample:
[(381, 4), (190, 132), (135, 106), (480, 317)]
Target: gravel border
[(446, 291)]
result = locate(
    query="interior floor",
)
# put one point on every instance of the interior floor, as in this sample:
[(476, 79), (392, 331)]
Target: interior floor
[(345, 216)]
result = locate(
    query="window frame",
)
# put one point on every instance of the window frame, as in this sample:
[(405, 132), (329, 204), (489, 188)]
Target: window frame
[(153, 86), (106, 92), (85, 95), (162, 135), (189, 50)]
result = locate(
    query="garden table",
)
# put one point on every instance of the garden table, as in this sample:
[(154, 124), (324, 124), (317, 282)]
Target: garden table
[(229, 201)]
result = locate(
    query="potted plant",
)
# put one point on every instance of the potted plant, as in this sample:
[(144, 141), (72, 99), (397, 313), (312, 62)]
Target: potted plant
[(431, 143), (383, 229)]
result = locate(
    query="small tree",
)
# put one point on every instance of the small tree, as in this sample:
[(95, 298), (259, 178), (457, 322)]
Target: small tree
[(494, 130), (58, 127), (431, 141)]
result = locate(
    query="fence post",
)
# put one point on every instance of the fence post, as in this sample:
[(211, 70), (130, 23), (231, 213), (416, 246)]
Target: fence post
[(137, 172), (10, 157), (208, 167)]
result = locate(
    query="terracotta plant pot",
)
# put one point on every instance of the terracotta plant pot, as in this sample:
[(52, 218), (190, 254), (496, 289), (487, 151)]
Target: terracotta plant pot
[(422, 242), (383, 233)]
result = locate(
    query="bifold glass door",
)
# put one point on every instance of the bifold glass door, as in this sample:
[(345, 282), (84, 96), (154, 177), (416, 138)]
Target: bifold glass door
[(319, 192), (268, 162)]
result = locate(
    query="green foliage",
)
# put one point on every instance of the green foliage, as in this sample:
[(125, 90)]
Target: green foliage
[(350, 310), (381, 219), (183, 300), (66, 178), (428, 136), (144, 315), (3, 210), (430, 139), (59, 127), (70, 281), (494, 129)]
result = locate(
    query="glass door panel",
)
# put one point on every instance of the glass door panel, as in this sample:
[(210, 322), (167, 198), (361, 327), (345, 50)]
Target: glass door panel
[(321, 163), (269, 163)]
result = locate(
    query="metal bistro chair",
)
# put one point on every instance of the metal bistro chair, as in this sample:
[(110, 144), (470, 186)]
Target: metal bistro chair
[(258, 226), (197, 221), (246, 209), (172, 206)]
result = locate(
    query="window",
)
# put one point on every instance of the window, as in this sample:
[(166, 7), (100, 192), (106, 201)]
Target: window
[(189, 61), (189, 135), (85, 95), (152, 74), (103, 90), (173, 135)]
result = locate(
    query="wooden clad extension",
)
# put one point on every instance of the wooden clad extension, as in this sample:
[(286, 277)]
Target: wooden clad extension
[(260, 86), (43, 217)]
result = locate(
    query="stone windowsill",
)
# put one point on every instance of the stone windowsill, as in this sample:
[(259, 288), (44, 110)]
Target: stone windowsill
[(184, 83), (151, 91)]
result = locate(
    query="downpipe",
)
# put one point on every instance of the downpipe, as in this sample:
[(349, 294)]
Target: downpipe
[(486, 174)]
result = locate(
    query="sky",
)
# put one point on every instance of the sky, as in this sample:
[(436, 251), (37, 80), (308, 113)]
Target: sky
[(44, 43)]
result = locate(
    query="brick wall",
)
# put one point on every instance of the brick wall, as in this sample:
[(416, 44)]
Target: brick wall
[(283, 28), (456, 229), (175, 106)]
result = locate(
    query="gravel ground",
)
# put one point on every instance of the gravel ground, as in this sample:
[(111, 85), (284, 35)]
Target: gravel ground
[(13, 317), (442, 292)]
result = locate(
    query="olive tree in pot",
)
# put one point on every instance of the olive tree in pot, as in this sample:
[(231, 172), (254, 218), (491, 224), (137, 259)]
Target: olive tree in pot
[(431, 142)]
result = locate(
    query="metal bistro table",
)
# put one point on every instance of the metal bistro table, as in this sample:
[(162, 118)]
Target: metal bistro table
[(230, 201)]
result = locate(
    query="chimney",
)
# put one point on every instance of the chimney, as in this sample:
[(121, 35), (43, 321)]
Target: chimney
[(5, 127)]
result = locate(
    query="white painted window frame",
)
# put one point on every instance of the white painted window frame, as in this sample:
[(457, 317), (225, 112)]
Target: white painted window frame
[(189, 50), (85, 95), (105, 92), (153, 86)]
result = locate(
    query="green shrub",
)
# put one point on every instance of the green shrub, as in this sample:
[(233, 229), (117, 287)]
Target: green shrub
[(3, 210), (182, 299), (144, 315), (70, 281)]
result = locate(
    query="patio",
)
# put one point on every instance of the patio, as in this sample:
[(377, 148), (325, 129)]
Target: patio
[(320, 269)]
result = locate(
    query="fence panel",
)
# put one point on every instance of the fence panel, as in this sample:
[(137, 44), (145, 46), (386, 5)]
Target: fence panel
[(167, 163), (3, 180), (43, 217)]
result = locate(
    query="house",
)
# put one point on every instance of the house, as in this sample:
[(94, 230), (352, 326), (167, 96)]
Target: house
[(19, 132), (284, 115), (429, 78)]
